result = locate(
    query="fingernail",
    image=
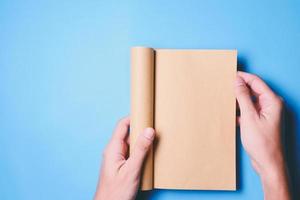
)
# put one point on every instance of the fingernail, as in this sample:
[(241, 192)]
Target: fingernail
[(149, 133)]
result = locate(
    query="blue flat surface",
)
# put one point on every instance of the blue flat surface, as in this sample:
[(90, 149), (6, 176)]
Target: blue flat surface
[(64, 81)]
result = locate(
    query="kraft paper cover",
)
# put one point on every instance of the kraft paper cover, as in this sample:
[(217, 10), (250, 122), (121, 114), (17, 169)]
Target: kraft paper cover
[(142, 104), (193, 114)]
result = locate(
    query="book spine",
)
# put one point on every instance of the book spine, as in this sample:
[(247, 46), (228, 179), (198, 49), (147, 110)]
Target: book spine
[(142, 104)]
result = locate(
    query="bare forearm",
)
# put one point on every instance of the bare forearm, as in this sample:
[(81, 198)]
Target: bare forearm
[(260, 123), (275, 183)]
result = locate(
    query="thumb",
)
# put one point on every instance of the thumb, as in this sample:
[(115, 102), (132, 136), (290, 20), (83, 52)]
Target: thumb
[(143, 144), (243, 97)]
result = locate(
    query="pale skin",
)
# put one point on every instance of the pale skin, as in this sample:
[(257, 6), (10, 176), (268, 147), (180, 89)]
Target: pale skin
[(260, 134)]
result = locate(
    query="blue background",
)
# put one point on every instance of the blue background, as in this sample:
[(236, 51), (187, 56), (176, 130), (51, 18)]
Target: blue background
[(64, 82)]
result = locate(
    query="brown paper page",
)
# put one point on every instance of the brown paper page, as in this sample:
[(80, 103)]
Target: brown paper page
[(195, 119), (142, 101)]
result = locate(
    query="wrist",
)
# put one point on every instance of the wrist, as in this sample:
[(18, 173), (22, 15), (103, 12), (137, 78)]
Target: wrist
[(275, 183), (271, 163)]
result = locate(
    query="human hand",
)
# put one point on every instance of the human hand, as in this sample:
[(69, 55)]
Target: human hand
[(260, 125), (120, 174)]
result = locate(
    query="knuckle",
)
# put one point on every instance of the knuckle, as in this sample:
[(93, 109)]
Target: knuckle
[(143, 145), (256, 77), (242, 89), (278, 101), (242, 93)]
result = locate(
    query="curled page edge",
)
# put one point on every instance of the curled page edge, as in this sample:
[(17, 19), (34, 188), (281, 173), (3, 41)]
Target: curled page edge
[(142, 104)]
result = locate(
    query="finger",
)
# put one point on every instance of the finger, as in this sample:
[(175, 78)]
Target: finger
[(267, 100), (121, 130), (257, 85), (143, 144), (243, 97), (118, 146)]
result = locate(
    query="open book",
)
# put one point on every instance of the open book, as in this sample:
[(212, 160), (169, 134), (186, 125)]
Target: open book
[(187, 96)]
